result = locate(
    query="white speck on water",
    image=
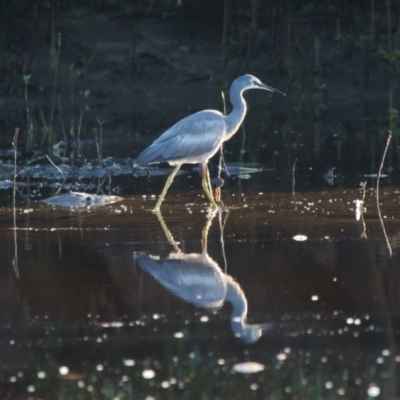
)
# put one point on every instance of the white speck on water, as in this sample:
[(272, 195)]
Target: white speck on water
[(288, 389), (13, 379), (178, 335), (156, 316), (12, 342), (281, 356), (128, 362), (380, 360), (314, 298), (150, 398), (349, 321), (63, 370), (248, 367), (221, 361), (254, 386), (148, 374), (329, 385), (373, 390), (341, 391), (357, 321), (300, 238), (99, 367), (386, 352), (204, 318), (287, 350), (31, 388), (81, 384), (41, 374), (165, 384)]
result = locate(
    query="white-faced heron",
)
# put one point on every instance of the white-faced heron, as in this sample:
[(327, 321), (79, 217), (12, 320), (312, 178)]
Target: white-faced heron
[(195, 139)]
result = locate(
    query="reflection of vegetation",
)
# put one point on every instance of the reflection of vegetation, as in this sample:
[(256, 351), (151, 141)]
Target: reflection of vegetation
[(195, 367)]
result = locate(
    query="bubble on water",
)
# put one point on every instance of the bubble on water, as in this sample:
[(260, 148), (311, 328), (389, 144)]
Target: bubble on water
[(204, 318), (341, 391), (221, 361), (329, 385), (350, 321), (254, 386), (63, 370), (41, 374), (380, 360), (165, 384), (314, 298), (300, 238), (386, 352), (31, 388), (81, 384), (281, 356), (13, 379), (178, 335), (99, 367), (373, 390), (148, 374), (248, 367), (128, 362)]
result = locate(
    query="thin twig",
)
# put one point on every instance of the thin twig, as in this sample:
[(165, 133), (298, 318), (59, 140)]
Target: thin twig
[(15, 261), (377, 194), (55, 166)]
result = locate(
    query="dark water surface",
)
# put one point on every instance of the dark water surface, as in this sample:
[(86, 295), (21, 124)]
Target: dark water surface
[(119, 303)]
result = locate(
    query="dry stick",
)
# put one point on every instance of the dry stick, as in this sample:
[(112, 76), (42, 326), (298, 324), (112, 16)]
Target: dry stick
[(79, 135), (294, 182), (222, 226), (15, 261), (364, 233), (55, 166), (377, 193), (221, 156)]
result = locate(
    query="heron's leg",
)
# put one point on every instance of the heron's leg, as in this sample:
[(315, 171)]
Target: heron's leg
[(204, 184), (166, 186), (209, 180)]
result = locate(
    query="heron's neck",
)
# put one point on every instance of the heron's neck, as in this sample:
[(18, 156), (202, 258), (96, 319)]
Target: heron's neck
[(235, 296), (236, 116)]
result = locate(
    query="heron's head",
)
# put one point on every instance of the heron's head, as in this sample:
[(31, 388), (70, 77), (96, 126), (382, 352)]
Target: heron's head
[(246, 82)]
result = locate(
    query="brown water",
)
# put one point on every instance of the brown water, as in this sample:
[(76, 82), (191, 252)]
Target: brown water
[(118, 303)]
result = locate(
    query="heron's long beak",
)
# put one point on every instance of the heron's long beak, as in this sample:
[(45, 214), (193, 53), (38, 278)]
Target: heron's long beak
[(269, 88)]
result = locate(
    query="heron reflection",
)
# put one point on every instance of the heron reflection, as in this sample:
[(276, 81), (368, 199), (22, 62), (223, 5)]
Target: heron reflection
[(198, 279)]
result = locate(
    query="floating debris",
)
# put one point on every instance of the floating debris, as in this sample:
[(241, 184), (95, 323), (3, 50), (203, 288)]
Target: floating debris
[(244, 176), (329, 176), (79, 199), (248, 367), (300, 238), (148, 374), (374, 176)]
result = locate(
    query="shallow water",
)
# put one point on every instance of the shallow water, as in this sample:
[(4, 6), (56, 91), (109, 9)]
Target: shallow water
[(117, 302)]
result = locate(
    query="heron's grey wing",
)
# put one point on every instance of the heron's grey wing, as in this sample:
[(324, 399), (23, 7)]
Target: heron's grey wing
[(190, 279), (193, 137)]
